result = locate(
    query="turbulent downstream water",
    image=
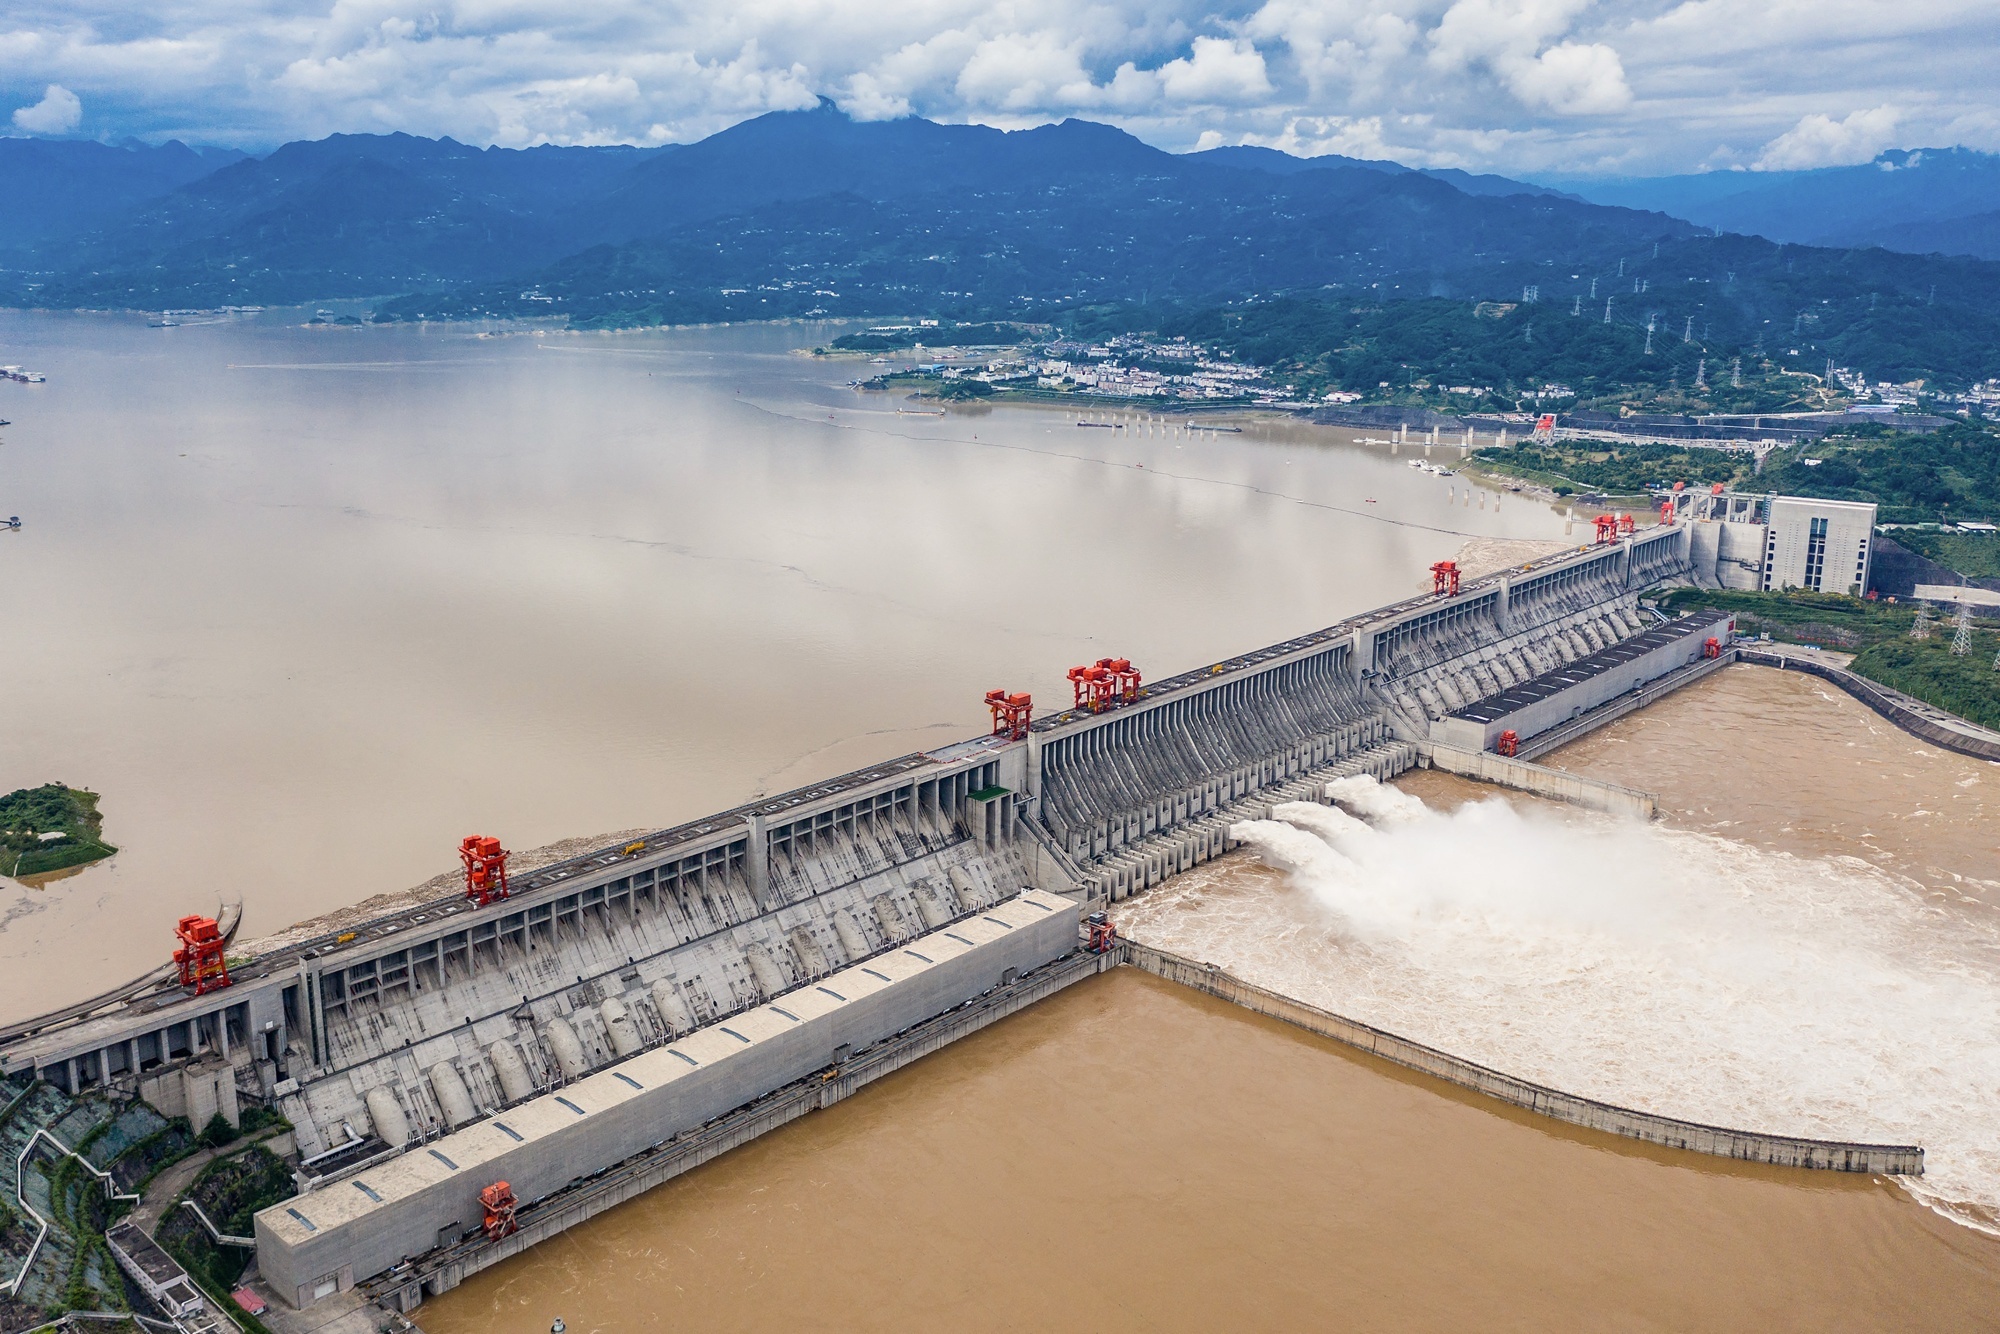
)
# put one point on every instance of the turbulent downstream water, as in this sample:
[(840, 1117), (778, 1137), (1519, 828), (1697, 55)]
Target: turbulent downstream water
[(307, 606), (1824, 967)]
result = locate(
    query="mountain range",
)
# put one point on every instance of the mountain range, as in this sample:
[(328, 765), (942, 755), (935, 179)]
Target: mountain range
[(1922, 200), (813, 213)]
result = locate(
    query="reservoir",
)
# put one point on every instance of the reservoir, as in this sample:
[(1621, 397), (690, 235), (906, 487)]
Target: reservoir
[(307, 606)]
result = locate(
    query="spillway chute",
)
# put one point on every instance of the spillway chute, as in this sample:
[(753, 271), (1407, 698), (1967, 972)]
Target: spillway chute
[(674, 1012), (850, 935), (618, 1024), (764, 970), (568, 1051)]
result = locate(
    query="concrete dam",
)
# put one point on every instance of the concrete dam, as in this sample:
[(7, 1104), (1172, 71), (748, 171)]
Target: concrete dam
[(623, 1015)]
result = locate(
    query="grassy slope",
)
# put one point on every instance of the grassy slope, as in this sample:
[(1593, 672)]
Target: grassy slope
[(1975, 555)]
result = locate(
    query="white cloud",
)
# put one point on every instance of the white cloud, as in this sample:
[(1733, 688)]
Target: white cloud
[(1218, 72), (59, 112), (1508, 85), (1575, 80), (1819, 140), (1510, 37)]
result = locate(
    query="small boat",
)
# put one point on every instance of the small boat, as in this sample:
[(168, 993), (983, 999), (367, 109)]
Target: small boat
[(13, 521)]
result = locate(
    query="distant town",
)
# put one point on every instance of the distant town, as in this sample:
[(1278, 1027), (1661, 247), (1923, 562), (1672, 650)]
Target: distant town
[(1139, 366)]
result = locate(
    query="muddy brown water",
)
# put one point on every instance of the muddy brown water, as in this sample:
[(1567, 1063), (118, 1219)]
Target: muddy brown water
[(1130, 1155), (307, 607)]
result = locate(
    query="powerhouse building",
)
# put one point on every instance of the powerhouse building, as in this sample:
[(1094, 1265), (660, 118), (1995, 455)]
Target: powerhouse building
[(1767, 542)]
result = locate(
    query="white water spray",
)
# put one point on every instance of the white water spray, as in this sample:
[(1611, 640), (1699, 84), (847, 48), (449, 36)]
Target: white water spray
[(1656, 968)]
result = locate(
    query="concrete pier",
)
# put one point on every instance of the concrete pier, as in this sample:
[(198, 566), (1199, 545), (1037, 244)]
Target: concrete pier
[(1555, 784), (1719, 1141)]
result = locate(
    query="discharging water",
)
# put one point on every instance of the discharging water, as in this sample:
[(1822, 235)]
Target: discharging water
[(1756, 980)]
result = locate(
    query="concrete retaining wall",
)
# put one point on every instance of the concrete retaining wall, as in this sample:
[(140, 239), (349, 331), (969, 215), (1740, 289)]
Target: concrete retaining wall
[(1525, 777), (1746, 1145)]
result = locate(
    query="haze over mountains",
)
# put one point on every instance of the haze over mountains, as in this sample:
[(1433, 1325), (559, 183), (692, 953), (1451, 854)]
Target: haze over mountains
[(812, 213), (1923, 200)]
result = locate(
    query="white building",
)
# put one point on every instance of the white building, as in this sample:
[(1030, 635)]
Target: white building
[(1778, 542), (1823, 545)]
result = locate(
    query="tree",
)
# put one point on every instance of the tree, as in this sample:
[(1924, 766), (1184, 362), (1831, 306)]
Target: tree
[(217, 1132)]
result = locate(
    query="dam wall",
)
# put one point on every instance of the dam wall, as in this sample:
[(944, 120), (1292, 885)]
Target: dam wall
[(1718, 1141), (406, 1286), (426, 1052)]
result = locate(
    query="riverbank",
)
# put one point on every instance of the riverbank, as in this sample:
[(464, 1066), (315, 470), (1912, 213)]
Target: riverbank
[(1880, 637)]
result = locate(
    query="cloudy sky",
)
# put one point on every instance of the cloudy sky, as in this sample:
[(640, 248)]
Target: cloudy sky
[(1523, 86)]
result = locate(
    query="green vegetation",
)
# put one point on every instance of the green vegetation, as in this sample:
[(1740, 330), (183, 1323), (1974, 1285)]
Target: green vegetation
[(1494, 356), (29, 813), (1619, 469), (1951, 474), (1974, 555), (1878, 634), (217, 1132), (230, 1191), (964, 389)]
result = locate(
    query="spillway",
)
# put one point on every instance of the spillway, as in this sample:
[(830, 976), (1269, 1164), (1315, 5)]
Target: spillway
[(619, 1011)]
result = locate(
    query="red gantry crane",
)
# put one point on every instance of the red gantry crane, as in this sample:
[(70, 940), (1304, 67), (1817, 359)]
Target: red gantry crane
[(1011, 713), (1444, 579), (485, 869), (1107, 682), (499, 1204), (200, 957)]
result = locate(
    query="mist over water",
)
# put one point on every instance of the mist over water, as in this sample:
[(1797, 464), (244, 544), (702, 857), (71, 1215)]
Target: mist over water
[(1679, 972)]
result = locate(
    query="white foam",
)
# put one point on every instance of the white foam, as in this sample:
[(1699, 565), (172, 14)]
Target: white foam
[(1679, 972), (1375, 801)]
